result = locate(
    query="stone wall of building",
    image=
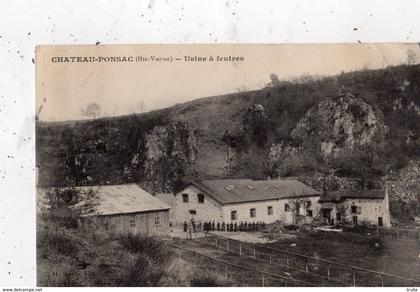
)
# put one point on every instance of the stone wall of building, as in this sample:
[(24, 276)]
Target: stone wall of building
[(208, 211), (261, 211), (367, 211), (370, 211), (211, 210), (279, 210)]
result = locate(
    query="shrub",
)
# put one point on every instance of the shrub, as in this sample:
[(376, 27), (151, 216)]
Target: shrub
[(108, 275), (70, 278), (65, 205), (139, 244), (58, 274), (291, 227), (356, 110), (376, 245), (146, 271), (201, 280), (49, 241), (359, 228), (151, 260), (64, 217)]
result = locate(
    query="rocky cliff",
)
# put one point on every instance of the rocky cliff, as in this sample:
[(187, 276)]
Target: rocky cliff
[(171, 153), (404, 190), (342, 123), (331, 132)]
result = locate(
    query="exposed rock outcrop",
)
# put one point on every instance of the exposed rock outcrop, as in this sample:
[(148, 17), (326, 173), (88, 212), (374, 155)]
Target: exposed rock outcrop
[(406, 105), (168, 153), (340, 123), (335, 128), (176, 139), (404, 189), (331, 182)]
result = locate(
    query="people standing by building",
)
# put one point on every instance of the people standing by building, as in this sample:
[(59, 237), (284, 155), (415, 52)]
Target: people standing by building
[(193, 224)]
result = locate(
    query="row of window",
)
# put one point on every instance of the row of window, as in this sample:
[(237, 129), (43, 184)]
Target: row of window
[(200, 198), (252, 213), (287, 208)]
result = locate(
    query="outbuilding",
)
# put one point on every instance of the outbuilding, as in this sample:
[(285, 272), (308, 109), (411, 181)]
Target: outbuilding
[(356, 207), (128, 209), (246, 200)]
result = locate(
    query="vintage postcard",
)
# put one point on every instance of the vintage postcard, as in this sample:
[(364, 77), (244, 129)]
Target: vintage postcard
[(228, 165)]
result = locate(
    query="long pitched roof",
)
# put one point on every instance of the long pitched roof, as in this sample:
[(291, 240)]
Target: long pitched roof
[(229, 191), (341, 195), (121, 199)]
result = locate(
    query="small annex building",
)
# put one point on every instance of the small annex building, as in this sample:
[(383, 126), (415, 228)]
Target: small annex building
[(246, 200), (356, 207), (128, 209)]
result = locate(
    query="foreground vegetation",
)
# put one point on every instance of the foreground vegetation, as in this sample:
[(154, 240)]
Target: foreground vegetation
[(90, 256), (74, 250)]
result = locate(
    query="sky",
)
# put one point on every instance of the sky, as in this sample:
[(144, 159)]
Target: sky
[(64, 90)]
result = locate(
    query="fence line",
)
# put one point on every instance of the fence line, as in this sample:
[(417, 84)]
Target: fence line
[(412, 234), (329, 263), (243, 268), (375, 233), (289, 266), (409, 235)]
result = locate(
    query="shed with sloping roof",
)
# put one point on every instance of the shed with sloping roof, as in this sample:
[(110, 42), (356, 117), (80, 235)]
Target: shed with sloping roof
[(127, 209)]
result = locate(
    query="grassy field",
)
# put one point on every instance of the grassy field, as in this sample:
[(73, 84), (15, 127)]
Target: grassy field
[(396, 257), (229, 269)]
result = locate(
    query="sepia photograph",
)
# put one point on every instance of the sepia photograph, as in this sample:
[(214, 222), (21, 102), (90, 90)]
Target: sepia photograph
[(228, 165)]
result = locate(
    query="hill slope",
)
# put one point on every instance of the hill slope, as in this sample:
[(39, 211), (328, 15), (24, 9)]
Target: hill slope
[(359, 126)]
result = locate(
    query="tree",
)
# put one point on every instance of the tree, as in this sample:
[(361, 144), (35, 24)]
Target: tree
[(64, 206), (411, 57), (344, 211), (197, 133), (274, 80), (115, 110), (92, 110), (296, 204), (232, 142), (40, 109), (141, 107)]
